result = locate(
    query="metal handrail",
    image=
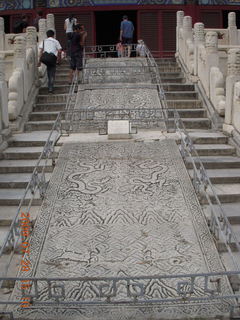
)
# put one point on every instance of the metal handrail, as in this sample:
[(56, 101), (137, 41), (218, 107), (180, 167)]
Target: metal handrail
[(209, 284), (200, 177), (37, 180)]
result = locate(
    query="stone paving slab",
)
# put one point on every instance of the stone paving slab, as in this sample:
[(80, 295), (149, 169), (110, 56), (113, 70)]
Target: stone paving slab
[(114, 70), (118, 98), (117, 210)]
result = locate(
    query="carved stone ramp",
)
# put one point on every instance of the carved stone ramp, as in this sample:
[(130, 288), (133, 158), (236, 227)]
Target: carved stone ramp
[(118, 89), (123, 209), (112, 70)]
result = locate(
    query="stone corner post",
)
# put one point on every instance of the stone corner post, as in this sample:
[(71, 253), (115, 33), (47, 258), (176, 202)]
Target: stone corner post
[(233, 75), (232, 29), (2, 34), (42, 30), (4, 123), (180, 16), (19, 51), (212, 58), (31, 37), (199, 39), (51, 22)]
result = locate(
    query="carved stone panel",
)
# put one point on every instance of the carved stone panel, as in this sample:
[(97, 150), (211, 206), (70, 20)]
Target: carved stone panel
[(118, 210)]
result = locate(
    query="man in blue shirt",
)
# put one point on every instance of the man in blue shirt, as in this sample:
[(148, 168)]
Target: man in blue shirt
[(126, 33)]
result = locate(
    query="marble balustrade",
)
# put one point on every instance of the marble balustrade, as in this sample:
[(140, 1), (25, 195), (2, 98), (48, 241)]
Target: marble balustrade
[(211, 57), (20, 75)]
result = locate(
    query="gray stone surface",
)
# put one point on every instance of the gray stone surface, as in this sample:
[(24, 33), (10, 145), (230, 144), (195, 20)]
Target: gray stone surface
[(118, 98), (122, 209), (113, 70)]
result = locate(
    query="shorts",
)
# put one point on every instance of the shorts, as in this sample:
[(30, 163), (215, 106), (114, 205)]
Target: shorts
[(76, 61), (127, 40)]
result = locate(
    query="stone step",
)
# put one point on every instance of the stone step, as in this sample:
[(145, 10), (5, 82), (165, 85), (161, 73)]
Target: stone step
[(8, 213), (178, 87), (185, 95), (167, 80), (36, 125), (34, 138), (63, 70), (214, 162), (208, 137), (12, 197), (226, 193), (171, 75), (20, 180), (41, 107), (12, 271), (190, 113), (231, 210), (17, 153), (61, 77), (43, 116), (193, 123), (214, 149), (49, 98), (62, 81), (165, 60), (220, 176), (21, 166), (3, 233), (169, 69), (184, 104), (57, 89)]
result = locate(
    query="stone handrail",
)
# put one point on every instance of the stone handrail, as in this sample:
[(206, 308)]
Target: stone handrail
[(20, 76)]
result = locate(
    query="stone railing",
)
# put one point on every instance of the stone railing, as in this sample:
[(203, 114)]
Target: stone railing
[(211, 58), (20, 76)]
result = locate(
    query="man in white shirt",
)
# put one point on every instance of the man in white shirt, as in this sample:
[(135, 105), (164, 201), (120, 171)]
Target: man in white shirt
[(53, 47), (69, 24)]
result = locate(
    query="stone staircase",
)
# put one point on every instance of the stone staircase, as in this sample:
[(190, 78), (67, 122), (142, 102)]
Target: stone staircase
[(218, 156), (19, 159)]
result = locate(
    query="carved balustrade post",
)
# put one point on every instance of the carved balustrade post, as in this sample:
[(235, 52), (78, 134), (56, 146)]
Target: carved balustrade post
[(42, 30), (187, 35), (31, 37), (180, 16), (31, 45), (199, 39), (4, 122), (212, 58), (233, 75), (20, 61), (2, 34), (236, 109), (232, 29), (51, 22), (19, 51)]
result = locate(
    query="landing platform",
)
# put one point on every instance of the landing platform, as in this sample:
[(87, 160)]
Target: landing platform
[(122, 209)]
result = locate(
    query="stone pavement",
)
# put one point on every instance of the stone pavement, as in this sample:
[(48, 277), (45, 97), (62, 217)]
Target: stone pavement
[(121, 209)]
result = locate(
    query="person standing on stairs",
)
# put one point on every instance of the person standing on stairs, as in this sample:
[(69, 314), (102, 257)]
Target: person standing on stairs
[(126, 34), (69, 24), (53, 47), (76, 53)]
